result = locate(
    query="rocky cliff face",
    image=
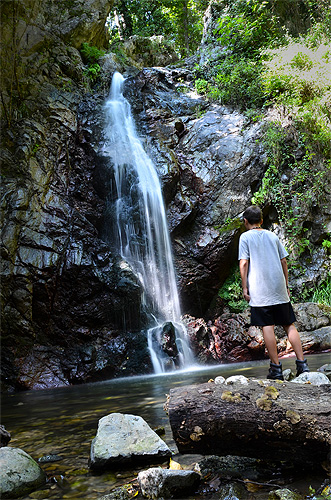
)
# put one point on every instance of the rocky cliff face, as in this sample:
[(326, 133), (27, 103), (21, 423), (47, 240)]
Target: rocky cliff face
[(63, 289), (71, 307)]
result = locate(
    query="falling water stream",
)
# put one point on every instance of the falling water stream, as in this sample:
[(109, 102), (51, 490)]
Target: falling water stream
[(141, 230)]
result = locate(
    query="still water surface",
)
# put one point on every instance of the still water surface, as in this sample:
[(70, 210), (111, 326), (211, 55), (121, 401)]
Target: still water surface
[(64, 421)]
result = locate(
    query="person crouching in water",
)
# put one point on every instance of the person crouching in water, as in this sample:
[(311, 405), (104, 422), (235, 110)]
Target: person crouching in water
[(264, 277)]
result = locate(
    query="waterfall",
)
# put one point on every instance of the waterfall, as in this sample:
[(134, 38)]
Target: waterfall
[(142, 232)]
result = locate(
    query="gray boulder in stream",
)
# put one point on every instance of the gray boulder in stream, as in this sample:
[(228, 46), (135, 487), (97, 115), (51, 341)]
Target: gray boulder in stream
[(156, 482), (123, 438), (19, 473)]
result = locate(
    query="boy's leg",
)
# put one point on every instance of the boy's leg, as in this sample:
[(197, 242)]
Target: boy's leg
[(270, 343), (295, 341), (294, 338)]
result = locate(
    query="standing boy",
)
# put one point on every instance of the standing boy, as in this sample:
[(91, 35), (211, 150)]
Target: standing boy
[(264, 277)]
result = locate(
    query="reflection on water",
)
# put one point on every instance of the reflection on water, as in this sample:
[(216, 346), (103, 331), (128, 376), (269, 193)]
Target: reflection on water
[(63, 421)]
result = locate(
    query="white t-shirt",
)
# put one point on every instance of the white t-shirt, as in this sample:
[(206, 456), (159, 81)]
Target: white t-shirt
[(266, 281)]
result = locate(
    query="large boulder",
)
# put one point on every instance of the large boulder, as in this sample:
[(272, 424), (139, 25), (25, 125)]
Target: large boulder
[(75, 23), (317, 340), (311, 316), (5, 436), (125, 439), (19, 473)]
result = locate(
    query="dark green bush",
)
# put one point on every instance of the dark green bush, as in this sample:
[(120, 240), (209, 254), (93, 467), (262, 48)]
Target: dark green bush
[(90, 54), (231, 292)]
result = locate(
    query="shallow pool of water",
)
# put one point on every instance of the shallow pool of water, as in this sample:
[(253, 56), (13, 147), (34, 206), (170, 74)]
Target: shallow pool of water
[(64, 421)]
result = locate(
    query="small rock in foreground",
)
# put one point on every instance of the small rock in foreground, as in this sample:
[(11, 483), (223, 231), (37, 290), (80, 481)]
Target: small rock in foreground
[(157, 482), (313, 378)]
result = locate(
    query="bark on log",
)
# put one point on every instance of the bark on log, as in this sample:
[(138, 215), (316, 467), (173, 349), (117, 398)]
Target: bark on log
[(264, 419)]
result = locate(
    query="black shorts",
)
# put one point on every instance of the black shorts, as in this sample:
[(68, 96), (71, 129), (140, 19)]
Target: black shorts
[(279, 314)]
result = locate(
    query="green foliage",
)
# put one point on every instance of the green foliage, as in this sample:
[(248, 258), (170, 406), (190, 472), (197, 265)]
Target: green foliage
[(242, 31), (327, 245), (202, 85), (91, 55), (259, 65), (322, 293), (290, 183), (229, 225), (185, 18), (92, 71), (298, 76), (231, 292), (233, 81), (35, 149), (143, 17), (246, 32)]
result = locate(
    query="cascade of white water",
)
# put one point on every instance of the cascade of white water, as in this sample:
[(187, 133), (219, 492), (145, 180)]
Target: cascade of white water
[(143, 235)]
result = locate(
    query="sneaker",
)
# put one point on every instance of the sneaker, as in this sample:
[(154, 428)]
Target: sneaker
[(302, 367), (275, 372)]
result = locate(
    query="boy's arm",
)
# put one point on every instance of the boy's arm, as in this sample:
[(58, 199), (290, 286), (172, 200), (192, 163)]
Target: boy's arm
[(285, 271), (243, 267)]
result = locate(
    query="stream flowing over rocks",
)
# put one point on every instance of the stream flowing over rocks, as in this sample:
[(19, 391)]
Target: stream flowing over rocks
[(71, 307)]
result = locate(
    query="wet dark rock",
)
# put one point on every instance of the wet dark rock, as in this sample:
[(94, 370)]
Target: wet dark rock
[(284, 494), (210, 160), (220, 473), (168, 341), (234, 467), (234, 491), (117, 494), (99, 355), (5, 436)]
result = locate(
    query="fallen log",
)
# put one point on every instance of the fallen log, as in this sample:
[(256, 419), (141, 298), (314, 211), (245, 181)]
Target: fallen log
[(263, 419)]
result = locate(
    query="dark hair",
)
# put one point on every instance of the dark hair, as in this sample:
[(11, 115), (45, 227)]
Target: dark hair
[(253, 214)]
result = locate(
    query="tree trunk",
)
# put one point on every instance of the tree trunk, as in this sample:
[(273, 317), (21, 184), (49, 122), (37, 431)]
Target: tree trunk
[(263, 419)]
